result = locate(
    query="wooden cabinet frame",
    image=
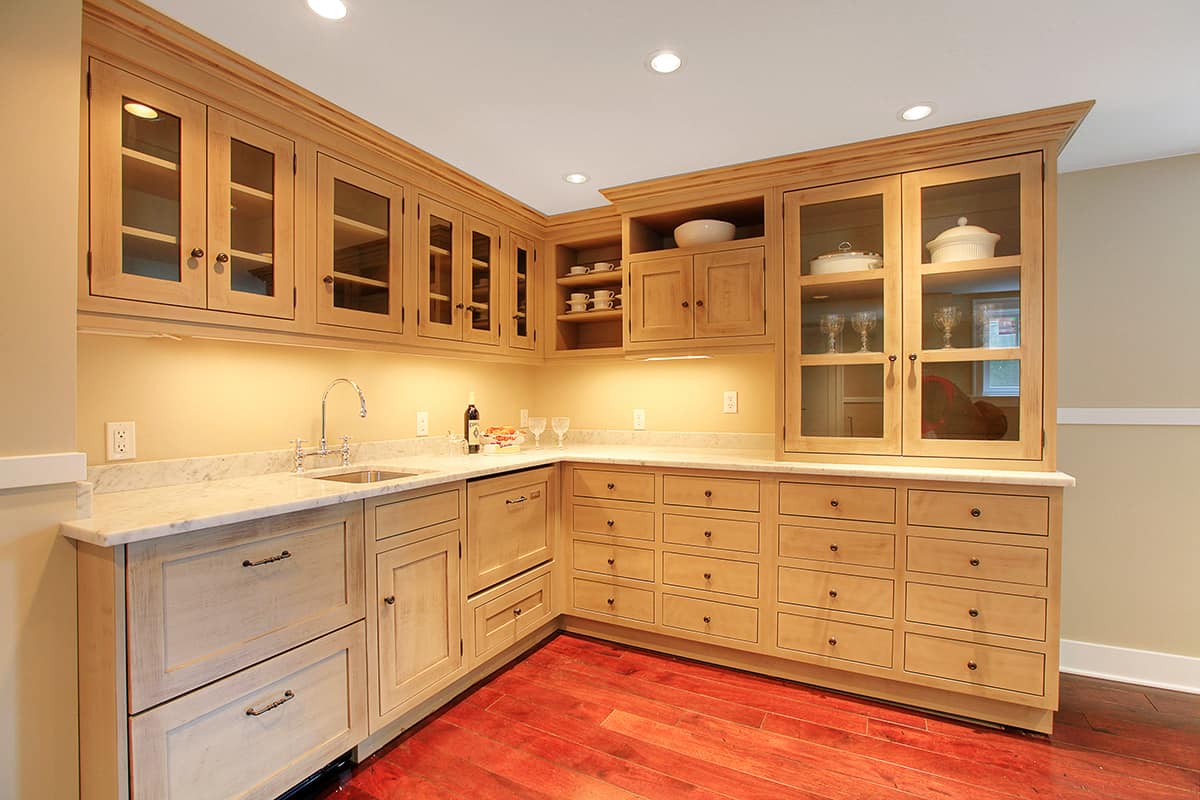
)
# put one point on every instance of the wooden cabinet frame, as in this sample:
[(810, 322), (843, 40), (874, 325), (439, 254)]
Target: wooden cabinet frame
[(463, 227), (516, 245)]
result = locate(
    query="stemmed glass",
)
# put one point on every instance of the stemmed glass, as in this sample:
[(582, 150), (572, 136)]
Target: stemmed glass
[(560, 426), (537, 426), (864, 323), (946, 318), (831, 326)]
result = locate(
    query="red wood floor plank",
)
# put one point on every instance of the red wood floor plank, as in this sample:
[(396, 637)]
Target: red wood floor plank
[(455, 774)]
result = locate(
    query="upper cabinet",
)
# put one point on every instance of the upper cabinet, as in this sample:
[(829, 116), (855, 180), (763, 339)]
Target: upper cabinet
[(523, 275), (458, 287), (359, 248), (189, 206), (914, 313)]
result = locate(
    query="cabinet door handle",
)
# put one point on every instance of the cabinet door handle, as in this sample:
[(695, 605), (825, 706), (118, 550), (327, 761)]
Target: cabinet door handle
[(197, 252), (912, 357), (390, 599), (685, 303), (699, 304), (892, 358), (222, 258), (328, 280), (513, 501), (253, 712), (267, 560)]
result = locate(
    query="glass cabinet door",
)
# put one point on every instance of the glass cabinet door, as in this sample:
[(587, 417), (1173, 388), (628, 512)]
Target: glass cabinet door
[(147, 191), (359, 255), (521, 285), (842, 307), (973, 309), (250, 195), (481, 320), (439, 271)]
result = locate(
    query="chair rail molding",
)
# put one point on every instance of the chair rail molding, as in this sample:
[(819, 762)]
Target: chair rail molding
[(41, 469)]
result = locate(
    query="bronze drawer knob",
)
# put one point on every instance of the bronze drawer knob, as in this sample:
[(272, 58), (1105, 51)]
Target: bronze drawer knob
[(197, 252), (833, 592), (974, 612), (516, 612), (611, 522), (971, 665), (832, 641), (833, 503), (833, 548), (707, 620), (708, 534), (975, 512), (611, 486), (612, 561), (611, 600), (974, 562), (708, 576), (708, 492), (390, 599)]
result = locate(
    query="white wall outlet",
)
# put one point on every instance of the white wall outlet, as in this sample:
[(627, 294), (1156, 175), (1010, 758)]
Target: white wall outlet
[(639, 419), (422, 423), (729, 404), (524, 418), (120, 440)]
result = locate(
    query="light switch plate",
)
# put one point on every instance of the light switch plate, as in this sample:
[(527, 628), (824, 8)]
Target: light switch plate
[(729, 404), (120, 441), (524, 418), (422, 423), (639, 419)]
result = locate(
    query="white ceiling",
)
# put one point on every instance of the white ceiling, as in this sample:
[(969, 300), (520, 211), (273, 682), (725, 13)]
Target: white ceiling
[(519, 92)]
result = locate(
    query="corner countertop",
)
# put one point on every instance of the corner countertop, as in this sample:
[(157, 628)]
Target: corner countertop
[(133, 516)]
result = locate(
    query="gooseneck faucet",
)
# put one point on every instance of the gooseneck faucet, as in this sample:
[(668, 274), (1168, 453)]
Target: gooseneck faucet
[(362, 406)]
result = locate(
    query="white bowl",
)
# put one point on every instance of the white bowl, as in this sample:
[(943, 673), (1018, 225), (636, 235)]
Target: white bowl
[(703, 231)]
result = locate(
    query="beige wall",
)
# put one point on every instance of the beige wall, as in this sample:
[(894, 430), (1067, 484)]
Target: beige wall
[(39, 92), (1128, 288)]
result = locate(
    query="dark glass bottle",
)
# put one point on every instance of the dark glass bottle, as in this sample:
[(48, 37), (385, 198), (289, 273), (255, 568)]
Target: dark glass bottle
[(471, 425)]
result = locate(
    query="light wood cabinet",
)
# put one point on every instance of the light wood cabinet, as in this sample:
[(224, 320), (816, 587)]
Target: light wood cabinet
[(523, 276), (506, 614), (512, 521), (190, 206), (458, 276)]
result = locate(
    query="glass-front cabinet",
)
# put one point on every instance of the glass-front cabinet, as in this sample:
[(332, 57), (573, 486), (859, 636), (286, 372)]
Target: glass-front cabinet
[(522, 280), (914, 313), (457, 275), (189, 206)]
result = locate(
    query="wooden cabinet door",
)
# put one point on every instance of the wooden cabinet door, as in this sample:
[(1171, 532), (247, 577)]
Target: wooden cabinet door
[(481, 281), (660, 299), (250, 218), (511, 524), (359, 248), (522, 280), (420, 640), (730, 293), (146, 183), (440, 305)]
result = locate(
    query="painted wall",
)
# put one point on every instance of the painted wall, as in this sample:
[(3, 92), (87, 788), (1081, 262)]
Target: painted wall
[(1128, 288), (39, 92)]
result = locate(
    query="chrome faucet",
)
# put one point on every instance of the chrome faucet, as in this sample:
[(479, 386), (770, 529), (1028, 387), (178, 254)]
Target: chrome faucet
[(323, 450)]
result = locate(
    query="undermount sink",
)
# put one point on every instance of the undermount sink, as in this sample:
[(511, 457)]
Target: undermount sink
[(364, 476)]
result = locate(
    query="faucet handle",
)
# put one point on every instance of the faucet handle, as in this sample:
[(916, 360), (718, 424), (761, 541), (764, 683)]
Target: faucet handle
[(298, 442)]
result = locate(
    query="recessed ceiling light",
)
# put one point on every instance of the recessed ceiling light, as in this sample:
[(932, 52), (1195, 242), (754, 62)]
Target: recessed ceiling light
[(575, 177), (141, 110), (917, 111), (664, 61), (329, 9)]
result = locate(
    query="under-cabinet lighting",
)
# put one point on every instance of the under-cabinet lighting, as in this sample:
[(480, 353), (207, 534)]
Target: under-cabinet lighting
[(575, 177), (329, 9), (915, 112), (674, 358), (128, 334), (664, 61), (140, 110)]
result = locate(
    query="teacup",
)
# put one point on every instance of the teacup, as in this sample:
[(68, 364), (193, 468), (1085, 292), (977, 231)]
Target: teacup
[(602, 304), (579, 297), (601, 295), (577, 306), (603, 266), (580, 270)]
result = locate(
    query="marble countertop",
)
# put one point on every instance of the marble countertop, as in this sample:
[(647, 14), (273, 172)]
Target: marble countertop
[(132, 516)]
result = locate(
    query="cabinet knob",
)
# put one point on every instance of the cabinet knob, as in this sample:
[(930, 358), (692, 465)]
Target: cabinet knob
[(833, 641), (707, 620), (328, 280), (516, 317), (685, 303), (611, 600), (708, 492), (971, 665), (974, 612), (833, 592), (974, 562), (222, 258), (708, 576), (459, 306), (611, 486), (892, 358), (699, 304), (975, 512), (708, 534), (912, 356), (390, 599), (197, 252), (612, 561), (611, 523), (833, 548), (516, 612), (833, 503)]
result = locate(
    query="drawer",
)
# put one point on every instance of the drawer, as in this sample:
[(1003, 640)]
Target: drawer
[(403, 516), (206, 604), (989, 562), (842, 640), (711, 574), (719, 534), (615, 521), (511, 525), (613, 560), (974, 610), (257, 733), (506, 619), (1007, 513), (978, 664), (710, 617), (861, 503), (729, 493), (851, 593), (610, 484), (838, 547), (617, 601)]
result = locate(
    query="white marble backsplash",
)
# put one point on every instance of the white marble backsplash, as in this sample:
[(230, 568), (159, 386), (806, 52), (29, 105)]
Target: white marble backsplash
[(106, 478)]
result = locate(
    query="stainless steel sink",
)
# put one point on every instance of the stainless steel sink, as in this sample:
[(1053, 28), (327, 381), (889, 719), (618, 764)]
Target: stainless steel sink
[(364, 476)]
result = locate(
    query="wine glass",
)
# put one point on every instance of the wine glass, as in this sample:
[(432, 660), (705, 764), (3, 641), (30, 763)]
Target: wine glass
[(946, 318), (831, 326), (560, 426), (864, 323), (537, 426)]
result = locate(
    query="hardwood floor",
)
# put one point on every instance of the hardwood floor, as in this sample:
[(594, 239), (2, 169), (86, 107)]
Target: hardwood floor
[(579, 718)]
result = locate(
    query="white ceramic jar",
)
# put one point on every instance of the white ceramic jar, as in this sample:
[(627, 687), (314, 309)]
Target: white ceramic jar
[(962, 243)]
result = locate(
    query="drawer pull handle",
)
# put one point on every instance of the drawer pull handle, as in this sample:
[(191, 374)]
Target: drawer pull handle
[(974, 562), (975, 512), (611, 486), (707, 620), (516, 612), (833, 592), (611, 523), (612, 600), (512, 502), (833, 548), (253, 712), (971, 665), (708, 576), (974, 612), (390, 599), (708, 492), (267, 560), (612, 561), (832, 641), (708, 534)]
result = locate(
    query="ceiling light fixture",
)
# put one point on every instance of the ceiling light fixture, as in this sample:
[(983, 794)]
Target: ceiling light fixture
[(915, 112), (329, 9), (575, 177), (664, 61), (140, 110)]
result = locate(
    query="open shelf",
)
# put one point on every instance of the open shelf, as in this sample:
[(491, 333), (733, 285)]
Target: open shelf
[(591, 316), (597, 332), (650, 233), (610, 278)]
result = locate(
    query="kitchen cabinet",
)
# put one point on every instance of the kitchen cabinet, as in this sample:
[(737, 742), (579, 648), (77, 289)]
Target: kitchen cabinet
[(190, 206), (523, 278), (512, 521), (458, 281)]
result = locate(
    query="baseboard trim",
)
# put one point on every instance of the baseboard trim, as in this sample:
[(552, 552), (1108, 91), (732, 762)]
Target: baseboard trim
[(42, 469), (1126, 665), (1129, 416)]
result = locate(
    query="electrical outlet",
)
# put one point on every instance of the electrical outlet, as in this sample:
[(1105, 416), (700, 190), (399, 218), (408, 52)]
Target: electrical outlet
[(639, 419), (729, 405), (524, 418), (120, 440), (422, 423)]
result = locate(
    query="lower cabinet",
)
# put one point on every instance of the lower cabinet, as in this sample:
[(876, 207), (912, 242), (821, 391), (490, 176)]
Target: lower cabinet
[(505, 614), (511, 524)]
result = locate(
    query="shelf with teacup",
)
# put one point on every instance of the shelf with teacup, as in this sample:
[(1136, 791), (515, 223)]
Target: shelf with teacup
[(609, 278), (596, 315)]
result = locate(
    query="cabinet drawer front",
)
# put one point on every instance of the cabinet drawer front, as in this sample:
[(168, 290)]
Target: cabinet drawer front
[(309, 706), (1007, 513), (843, 640), (850, 593), (614, 521), (204, 605), (861, 503), (616, 601), (612, 485), (614, 560), (728, 493), (838, 547), (710, 617), (974, 610), (989, 562), (511, 520), (503, 620), (403, 516), (719, 534), (712, 574), (972, 663)]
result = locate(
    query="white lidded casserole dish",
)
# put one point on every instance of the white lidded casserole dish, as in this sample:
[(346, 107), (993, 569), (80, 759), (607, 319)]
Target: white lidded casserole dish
[(963, 242), (844, 259)]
